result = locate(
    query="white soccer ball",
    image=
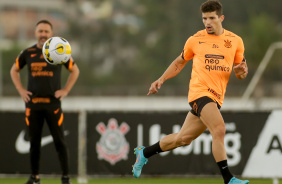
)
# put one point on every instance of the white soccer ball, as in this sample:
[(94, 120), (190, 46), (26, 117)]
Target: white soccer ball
[(56, 50)]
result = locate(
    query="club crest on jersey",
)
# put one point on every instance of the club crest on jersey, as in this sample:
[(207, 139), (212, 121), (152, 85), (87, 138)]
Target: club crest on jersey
[(112, 145), (227, 44)]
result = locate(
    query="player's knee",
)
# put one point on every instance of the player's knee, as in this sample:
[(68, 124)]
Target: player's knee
[(219, 132)]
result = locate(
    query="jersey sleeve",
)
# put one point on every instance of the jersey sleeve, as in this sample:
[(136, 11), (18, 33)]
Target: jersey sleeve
[(239, 55), (21, 61), (187, 52), (69, 64)]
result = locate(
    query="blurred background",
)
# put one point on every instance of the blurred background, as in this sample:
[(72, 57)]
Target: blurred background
[(122, 46)]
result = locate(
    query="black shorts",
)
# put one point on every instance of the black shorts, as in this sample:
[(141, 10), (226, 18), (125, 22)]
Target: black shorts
[(198, 104)]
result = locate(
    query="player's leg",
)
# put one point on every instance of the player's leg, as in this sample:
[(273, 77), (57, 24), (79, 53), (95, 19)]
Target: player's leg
[(191, 129), (34, 121), (54, 118), (212, 118)]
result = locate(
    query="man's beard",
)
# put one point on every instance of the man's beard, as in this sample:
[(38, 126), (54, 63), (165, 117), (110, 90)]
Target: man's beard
[(211, 32)]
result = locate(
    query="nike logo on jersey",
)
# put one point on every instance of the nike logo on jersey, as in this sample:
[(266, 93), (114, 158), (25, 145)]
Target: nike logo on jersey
[(22, 146), (215, 46), (201, 42), (32, 55)]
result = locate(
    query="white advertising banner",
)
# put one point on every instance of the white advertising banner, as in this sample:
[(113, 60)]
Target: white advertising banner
[(266, 157)]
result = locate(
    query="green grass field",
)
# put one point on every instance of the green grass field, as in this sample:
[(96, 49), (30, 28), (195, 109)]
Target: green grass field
[(136, 181)]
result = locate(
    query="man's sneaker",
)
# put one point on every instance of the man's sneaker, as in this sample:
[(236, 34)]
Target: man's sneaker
[(33, 180), (66, 180), (237, 181), (140, 161)]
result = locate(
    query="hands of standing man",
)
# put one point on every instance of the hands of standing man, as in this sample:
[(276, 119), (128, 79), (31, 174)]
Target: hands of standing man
[(25, 94), (60, 94)]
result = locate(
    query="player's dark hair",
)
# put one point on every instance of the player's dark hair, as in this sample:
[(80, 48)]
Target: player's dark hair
[(45, 22), (211, 6)]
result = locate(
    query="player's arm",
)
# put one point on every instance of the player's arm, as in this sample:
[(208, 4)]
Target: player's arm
[(175, 67), (14, 72), (74, 73), (241, 69)]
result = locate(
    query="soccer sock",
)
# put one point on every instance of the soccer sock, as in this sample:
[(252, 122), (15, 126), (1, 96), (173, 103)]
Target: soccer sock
[(35, 178), (223, 167), (152, 150)]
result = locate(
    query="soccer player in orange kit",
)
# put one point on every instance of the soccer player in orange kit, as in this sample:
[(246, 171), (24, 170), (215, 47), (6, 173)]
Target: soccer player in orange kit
[(214, 51)]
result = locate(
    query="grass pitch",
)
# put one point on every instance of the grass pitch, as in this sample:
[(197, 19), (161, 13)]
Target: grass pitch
[(136, 181)]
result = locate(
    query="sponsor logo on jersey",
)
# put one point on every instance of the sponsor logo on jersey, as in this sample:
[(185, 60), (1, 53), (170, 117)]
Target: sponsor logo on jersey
[(229, 34), (31, 49), (199, 35), (40, 100), (37, 69), (218, 96), (214, 56), (213, 63), (112, 145)]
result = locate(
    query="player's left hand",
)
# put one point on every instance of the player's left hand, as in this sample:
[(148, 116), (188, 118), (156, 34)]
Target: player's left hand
[(241, 69), (61, 93)]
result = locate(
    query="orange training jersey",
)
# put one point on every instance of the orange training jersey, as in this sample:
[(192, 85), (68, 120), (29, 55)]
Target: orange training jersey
[(213, 59)]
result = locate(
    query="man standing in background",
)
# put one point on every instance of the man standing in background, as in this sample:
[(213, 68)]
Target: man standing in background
[(43, 99)]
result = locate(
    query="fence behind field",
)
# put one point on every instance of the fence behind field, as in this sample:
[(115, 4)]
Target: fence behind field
[(253, 135)]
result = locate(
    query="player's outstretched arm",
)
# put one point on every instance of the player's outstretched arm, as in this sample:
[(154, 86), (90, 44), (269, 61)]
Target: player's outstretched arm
[(174, 68), (241, 70)]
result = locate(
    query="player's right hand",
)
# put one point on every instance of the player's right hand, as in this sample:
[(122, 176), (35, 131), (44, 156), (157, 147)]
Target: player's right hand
[(25, 94), (155, 86)]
